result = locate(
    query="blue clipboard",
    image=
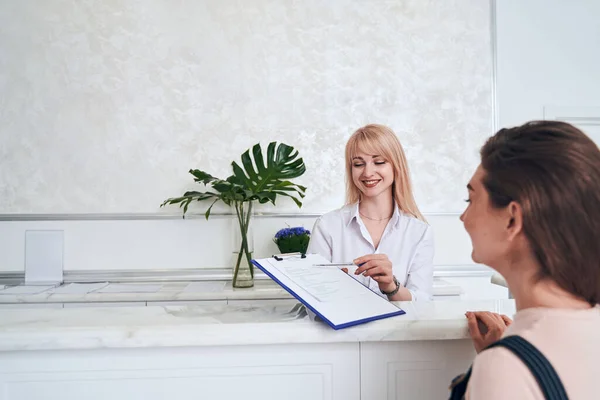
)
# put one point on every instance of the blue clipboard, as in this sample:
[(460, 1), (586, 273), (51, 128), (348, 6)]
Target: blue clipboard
[(318, 308)]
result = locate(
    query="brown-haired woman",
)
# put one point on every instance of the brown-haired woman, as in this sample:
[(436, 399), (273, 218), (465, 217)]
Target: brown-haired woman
[(534, 216)]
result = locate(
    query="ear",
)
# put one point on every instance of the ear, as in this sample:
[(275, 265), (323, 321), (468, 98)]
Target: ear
[(515, 220)]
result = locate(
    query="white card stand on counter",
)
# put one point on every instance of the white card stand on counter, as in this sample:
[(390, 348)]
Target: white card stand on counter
[(44, 257)]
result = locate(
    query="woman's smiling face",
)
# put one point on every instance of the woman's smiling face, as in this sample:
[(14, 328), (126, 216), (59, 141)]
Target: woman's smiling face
[(372, 174)]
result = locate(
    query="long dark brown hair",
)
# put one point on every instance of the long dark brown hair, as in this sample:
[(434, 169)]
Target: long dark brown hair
[(552, 169)]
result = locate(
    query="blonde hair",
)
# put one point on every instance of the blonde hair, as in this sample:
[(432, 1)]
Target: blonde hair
[(381, 140)]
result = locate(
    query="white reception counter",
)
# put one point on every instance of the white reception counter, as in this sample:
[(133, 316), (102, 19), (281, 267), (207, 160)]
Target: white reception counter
[(270, 351)]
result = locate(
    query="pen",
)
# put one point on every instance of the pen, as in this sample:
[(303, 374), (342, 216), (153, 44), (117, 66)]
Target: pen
[(337, 265)]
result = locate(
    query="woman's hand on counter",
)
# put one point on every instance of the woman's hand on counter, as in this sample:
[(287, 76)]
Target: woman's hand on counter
[(486, 328)]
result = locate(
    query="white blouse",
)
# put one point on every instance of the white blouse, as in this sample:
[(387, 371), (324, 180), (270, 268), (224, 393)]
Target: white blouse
[(341, 236)]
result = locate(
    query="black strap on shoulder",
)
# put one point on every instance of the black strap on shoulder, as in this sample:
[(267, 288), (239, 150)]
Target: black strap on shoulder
[(540, 367), (458, 387)]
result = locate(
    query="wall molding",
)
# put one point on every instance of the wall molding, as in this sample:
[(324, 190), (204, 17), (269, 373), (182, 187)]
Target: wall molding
[(207, 274), (587, 115), (170, 216)]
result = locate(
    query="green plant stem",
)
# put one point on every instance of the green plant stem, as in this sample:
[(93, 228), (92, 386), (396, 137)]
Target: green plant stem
[(245, 239), (239, 257), (244, 224)]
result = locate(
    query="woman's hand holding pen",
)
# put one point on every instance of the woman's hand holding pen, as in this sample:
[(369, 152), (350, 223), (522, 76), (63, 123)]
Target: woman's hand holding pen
[(379, 268)]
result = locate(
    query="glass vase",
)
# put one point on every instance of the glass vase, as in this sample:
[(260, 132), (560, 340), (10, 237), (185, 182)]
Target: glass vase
[(243, 269)]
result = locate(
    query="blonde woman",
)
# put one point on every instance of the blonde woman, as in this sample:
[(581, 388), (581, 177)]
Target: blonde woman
[(381, 229)]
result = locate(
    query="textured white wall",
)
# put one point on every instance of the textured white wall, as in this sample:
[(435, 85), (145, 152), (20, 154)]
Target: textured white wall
[(105, 105)]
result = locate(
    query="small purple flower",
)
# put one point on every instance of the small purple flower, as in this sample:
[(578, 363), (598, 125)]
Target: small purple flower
[(290, 240), (288, 232)]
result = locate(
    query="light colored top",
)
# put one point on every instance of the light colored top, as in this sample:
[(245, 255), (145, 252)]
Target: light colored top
[(210, 324), (341, 236), (567, 338)]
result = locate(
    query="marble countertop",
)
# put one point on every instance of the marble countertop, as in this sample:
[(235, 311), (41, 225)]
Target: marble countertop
[(176, 291), (218, 325)]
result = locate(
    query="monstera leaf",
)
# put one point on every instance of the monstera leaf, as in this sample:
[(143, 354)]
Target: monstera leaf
[(266, 180), (257, 179), (225, 192)]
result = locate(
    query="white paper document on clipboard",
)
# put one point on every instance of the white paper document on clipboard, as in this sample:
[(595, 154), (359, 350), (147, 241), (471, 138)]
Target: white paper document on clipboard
[(333, 295)]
